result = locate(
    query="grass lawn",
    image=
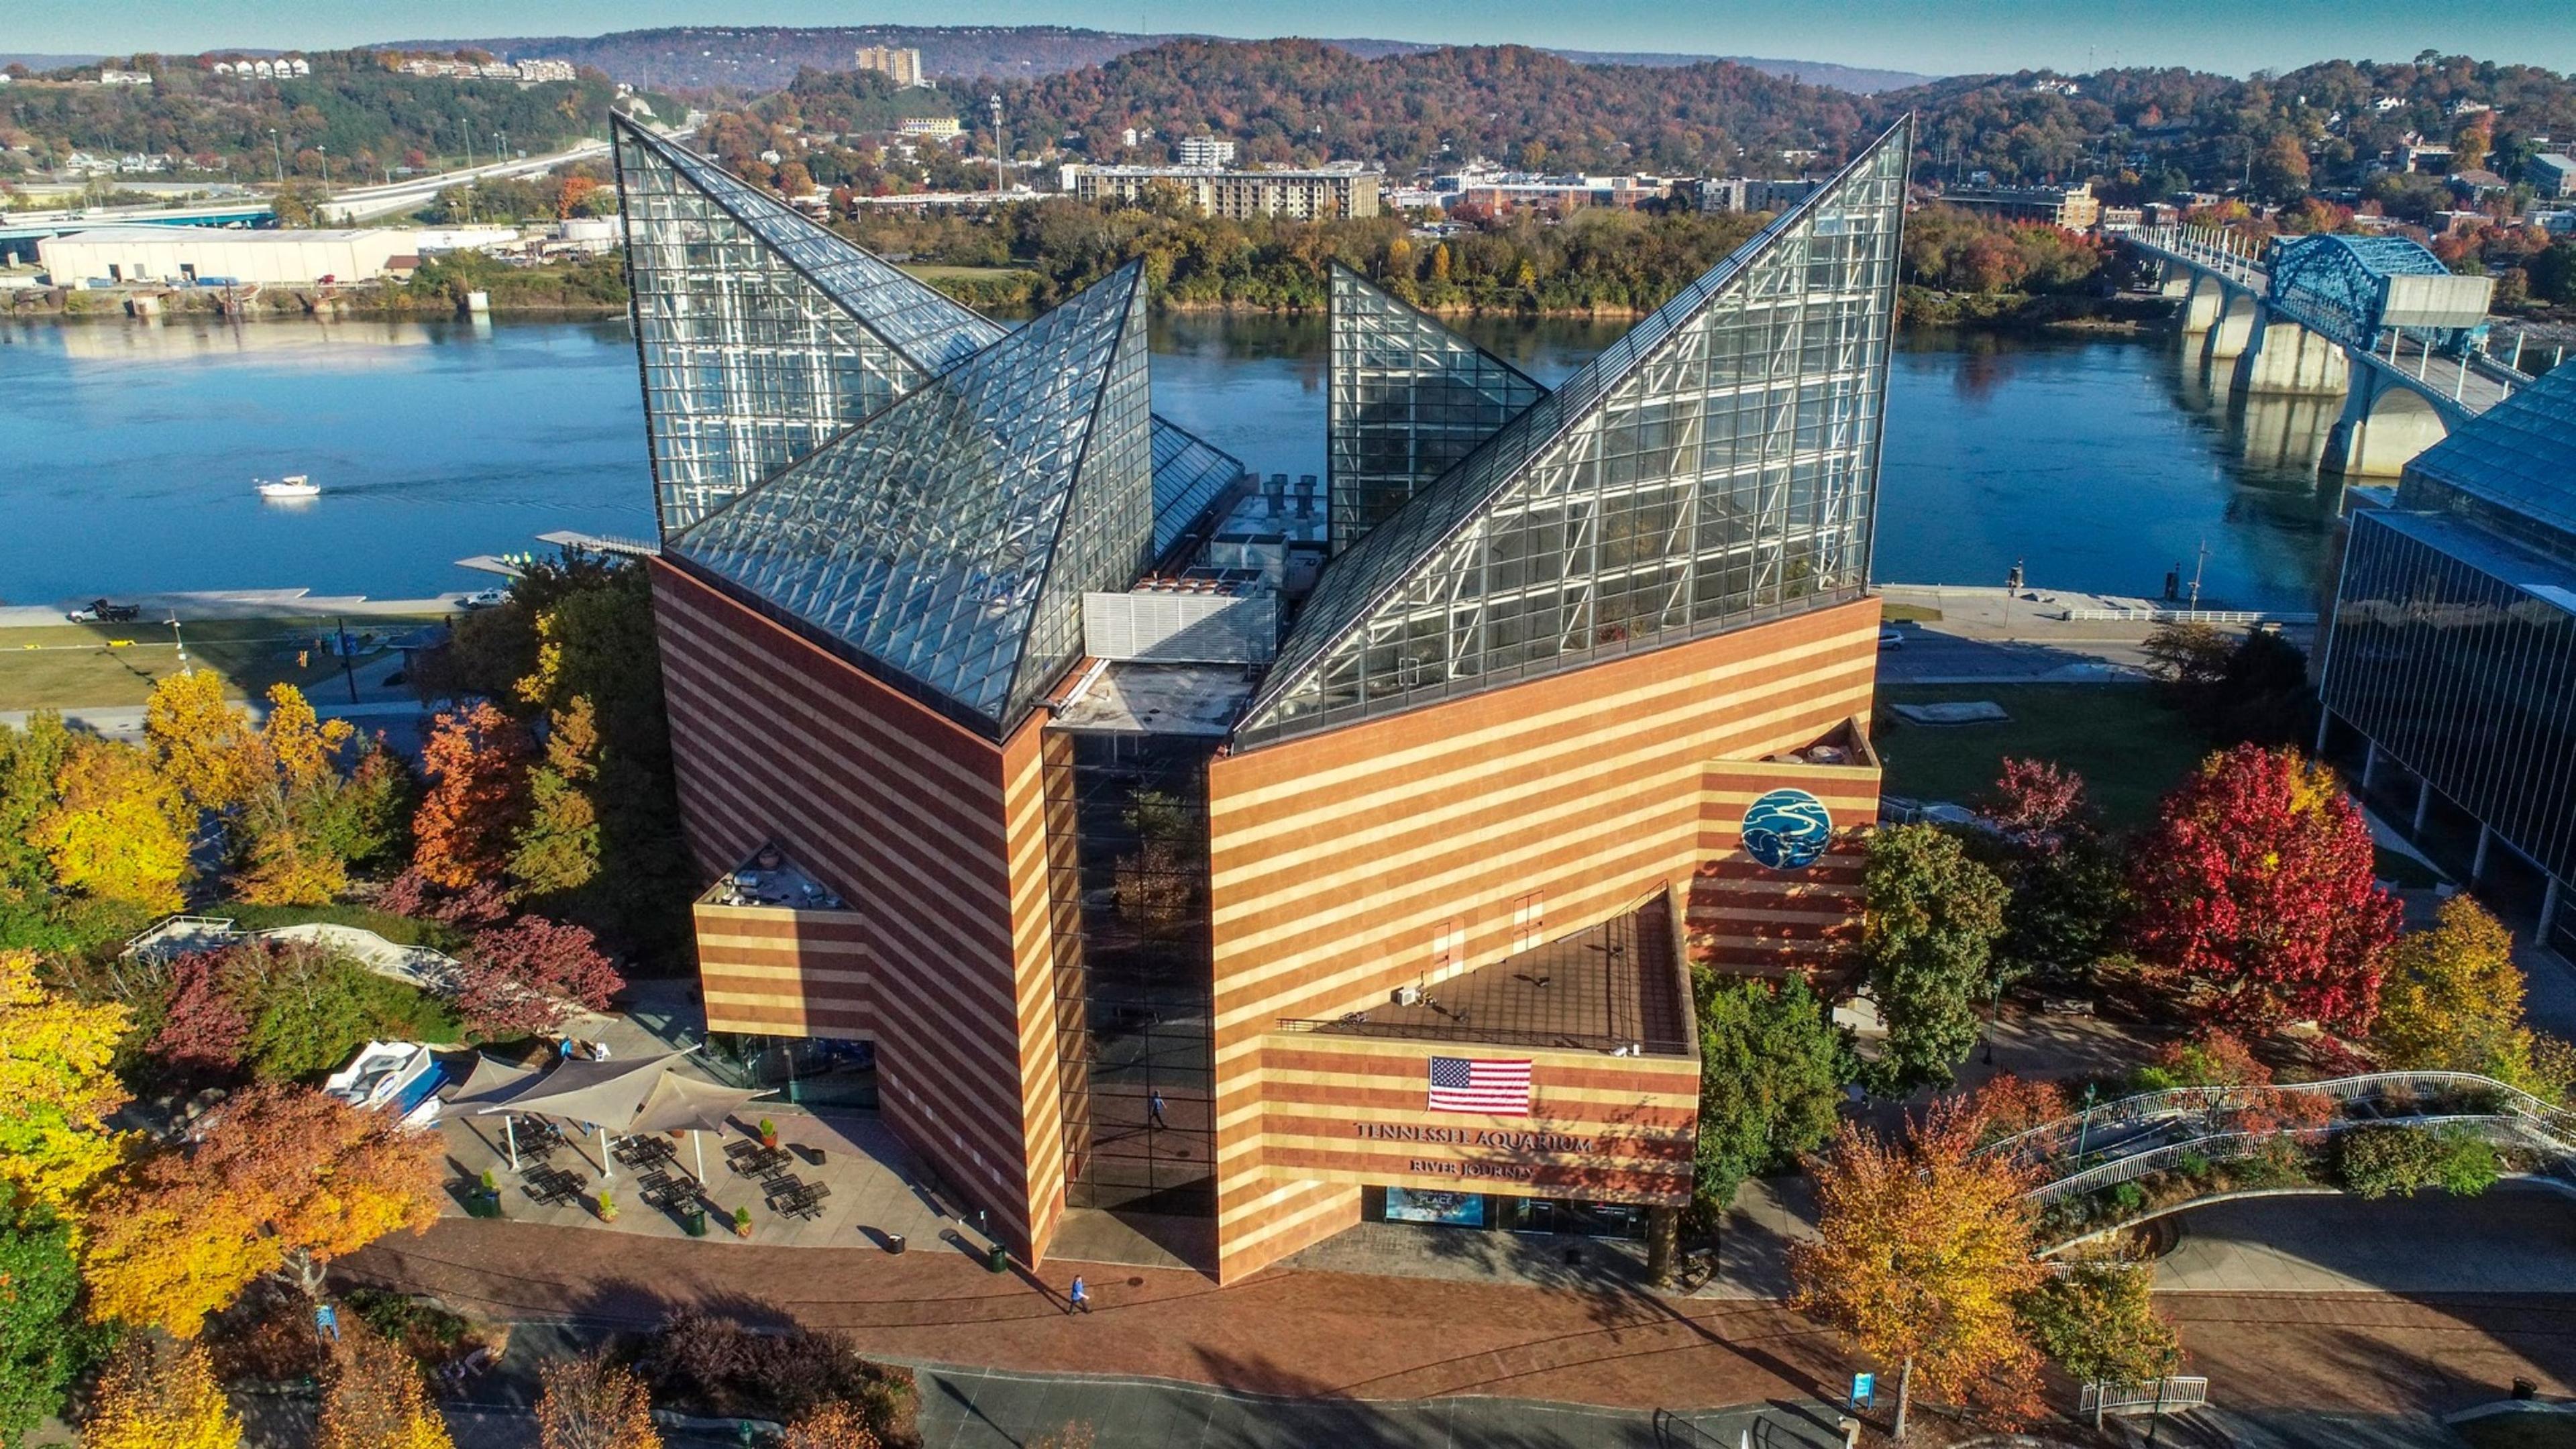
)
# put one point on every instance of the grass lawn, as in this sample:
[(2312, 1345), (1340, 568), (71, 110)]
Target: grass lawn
[(2127, 745), (61, 666)]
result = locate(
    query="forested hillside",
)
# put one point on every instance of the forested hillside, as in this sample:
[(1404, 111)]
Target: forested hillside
[(365, 115)]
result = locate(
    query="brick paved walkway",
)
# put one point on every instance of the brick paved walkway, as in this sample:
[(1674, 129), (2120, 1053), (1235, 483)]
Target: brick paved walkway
[(1299, 1333)]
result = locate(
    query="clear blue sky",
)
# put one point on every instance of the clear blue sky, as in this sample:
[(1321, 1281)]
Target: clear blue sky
[(1942, 36)]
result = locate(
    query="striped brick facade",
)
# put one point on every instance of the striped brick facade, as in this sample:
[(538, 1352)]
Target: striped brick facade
[(1351, 1110), (1343, 863), (1748, 920), (935, 838)]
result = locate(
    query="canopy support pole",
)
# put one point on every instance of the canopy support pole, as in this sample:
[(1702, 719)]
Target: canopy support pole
[(510, 1130), (607, 1164), (698, 1144)]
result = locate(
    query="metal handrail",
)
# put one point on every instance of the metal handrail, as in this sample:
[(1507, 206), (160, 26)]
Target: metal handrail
[(1611, 1044), (2501, 1128), (2175, 1102)]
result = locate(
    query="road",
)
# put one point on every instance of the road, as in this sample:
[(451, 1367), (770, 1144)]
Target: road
[(366, 203)]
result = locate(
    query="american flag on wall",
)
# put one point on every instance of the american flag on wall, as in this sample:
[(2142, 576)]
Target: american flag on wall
[(1473, 1084)]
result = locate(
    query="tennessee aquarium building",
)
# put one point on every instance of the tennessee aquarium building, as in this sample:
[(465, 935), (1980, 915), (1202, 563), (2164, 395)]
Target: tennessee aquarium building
[(1240, 862)]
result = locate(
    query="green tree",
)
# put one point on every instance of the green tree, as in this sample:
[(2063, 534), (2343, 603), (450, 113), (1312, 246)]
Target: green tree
[(43, 1343), (2376, 1161), (1771, 1073), (1928, 935), (2099, 1322)]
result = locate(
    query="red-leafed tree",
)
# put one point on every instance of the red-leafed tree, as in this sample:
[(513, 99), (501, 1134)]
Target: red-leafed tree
[(2036, 800), (476, 761), (204, 1026), (526, 977), (2256, 884)]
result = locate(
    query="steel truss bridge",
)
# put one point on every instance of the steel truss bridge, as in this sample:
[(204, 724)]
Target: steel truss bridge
[(2378, 320)]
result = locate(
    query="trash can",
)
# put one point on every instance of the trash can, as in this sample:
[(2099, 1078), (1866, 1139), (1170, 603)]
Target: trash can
[(998, 1260), (695, 1222), (894, 1242)]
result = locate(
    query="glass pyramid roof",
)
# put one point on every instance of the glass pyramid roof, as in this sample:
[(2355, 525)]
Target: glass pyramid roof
[(1714, 467), (945, 543), (763, 335), (1409, 399)]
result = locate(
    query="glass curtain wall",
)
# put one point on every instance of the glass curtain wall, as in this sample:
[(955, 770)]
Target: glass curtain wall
[(2447, 652), (1134, 961), (1409, 400), (747, 364), (945, 543), (1715, 467)]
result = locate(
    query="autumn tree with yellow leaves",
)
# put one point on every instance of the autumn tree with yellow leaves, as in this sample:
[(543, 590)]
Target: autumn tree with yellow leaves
[(1921, 1248), (833, 1424), (376, 1397), (296, 798), (57, 1088), (592, 1402), (117, 829), (160, 1394), (283, 1180), (2452, 1001)]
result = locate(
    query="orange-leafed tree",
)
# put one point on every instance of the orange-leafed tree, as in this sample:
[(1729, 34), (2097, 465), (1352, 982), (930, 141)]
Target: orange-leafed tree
[(834, 1424), (1922, 1246), (476, 761), (377, 1398), (571, 194), (279, 1182), (592, 1402), (118, 830), (158, 1394)]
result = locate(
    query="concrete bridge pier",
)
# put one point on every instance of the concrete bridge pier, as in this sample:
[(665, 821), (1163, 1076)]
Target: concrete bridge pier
[(2281, 356), (2233, 330), (2384, 425), (2203, 299), (2173, 279)]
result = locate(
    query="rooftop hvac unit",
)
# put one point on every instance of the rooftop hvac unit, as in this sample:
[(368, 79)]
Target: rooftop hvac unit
[(1408, 996), (1168, 626)]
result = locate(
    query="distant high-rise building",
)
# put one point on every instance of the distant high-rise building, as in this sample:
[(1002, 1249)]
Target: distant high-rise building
[(902, 65), (1204, 151)]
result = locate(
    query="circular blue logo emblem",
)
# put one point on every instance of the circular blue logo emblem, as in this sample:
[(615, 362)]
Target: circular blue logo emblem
[(1787, 829)]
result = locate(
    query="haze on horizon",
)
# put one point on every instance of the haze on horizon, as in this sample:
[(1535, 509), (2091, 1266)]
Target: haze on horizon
[(1945, 37)]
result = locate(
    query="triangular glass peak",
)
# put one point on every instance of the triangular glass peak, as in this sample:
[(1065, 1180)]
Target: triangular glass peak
[(945, 543), (1714, 467), (1409, 399), (763, 335)]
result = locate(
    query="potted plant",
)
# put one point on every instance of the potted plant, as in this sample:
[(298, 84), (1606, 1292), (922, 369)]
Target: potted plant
[(485, 1200), (768, 1133), (607, 1206), (742, 1222)]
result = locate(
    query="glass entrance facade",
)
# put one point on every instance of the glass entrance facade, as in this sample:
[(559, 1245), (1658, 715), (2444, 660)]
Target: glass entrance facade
[(1128, 881)]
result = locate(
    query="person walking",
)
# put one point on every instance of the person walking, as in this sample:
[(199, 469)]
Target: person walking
[(1154, 1109), (1080, 1297)]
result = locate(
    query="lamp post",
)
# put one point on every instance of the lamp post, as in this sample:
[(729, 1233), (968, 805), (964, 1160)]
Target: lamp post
[(278, 148), (326, 165), (995, 101)]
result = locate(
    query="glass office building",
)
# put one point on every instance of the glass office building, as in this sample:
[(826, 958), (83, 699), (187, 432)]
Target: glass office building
[(2450, 674), (1712, 468)]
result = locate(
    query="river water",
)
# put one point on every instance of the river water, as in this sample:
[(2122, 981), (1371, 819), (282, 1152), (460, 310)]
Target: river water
[(127, 451)]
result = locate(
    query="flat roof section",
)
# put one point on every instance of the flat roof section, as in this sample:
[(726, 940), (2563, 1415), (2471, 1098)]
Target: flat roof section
[(1129, 697), (1613, 988), (769, 878)]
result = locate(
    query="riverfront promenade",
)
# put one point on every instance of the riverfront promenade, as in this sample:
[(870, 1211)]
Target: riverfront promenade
[(1956, 635)]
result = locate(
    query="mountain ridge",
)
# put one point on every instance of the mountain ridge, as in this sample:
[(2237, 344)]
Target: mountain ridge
[(767, 57)]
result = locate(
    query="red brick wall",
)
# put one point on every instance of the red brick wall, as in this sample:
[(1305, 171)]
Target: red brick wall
[(1340, 861), (933, 838)]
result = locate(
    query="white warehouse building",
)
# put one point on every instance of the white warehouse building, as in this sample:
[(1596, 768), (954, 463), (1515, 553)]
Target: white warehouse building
[(191, 255)]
